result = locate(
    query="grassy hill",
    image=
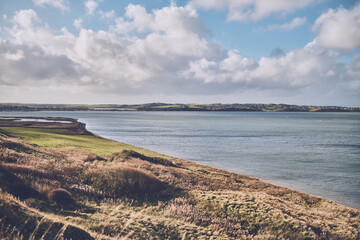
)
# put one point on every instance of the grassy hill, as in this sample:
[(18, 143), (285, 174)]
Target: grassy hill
[(119, 191), (249, 107)]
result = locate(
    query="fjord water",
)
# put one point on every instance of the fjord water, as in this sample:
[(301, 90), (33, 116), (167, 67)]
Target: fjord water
[(317, 153)]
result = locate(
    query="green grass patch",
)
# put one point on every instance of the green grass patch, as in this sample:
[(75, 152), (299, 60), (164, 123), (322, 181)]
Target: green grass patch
[(169, 106), (55, 138)]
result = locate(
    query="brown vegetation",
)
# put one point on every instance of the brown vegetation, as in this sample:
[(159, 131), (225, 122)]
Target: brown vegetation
[(60, 196), (19, 221), (128, 154), (121, 196), (123, 181)]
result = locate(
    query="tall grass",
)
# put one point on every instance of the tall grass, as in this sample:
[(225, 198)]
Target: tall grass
[(123, 181)]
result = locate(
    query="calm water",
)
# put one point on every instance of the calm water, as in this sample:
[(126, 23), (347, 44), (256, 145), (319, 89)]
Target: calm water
[(317, 153)]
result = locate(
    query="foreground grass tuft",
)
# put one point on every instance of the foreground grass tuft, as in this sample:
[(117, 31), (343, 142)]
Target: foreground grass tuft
[(60, 196), (123, 181)]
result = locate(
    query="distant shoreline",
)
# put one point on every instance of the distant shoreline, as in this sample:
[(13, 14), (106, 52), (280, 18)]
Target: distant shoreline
[(217, 107)]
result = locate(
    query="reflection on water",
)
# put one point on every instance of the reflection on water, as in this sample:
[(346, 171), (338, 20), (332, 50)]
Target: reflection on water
[(41, 120), (34, 120)]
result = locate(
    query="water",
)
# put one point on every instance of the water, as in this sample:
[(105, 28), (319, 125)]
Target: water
[(34, 120), (317, 153)]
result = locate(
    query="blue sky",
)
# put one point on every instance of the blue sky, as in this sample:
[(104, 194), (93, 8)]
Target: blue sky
[(196, 51)]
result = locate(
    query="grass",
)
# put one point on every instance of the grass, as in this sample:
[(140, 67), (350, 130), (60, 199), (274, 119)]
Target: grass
[(123, 181), (168, 106), (199, 202), (54, 138)]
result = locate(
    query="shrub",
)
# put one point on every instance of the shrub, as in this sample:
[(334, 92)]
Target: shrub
[(127, 154), (15, 186), (60, 196), (120, 181), (23, 191), (92, 157)]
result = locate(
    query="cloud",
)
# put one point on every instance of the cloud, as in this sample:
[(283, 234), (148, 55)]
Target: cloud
[(112, 62), (107, 15), (78, 23), (90, 6), (31, 66), (296, 22), (63, 5), (26, 18), (339, 28), (18, 55), (165, 51), (255, 10), (297, 69)]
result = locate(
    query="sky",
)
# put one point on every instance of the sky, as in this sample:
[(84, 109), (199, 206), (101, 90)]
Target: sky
[(304, 52)]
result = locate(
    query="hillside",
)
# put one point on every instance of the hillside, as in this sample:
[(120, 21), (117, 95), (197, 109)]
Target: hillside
[(249, 107), (111, 190)]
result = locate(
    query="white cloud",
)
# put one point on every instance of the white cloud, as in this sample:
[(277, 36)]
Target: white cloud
[(242, 10), (296, 22), (18, 55), (117, 63), (339, 28), (78, 23), (299, 68), (90, 6), (63, 5), (171, 30), (107, 15), (172, 55), (25, 18), (25, 66)]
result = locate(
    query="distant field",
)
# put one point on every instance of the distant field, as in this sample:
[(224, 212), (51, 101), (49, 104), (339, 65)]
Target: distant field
[(176, 107), (54, 138)]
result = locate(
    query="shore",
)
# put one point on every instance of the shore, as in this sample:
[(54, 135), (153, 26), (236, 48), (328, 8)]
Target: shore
[(235, 107), (184, 199)]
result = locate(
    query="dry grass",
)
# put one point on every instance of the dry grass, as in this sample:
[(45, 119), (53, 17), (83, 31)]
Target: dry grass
[(204, 202), (123, 181), (18, 221), (129, 154)]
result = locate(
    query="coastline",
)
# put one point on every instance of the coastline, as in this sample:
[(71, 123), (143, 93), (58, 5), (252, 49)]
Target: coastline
[(207, 188), (77, 127), (234, 107)]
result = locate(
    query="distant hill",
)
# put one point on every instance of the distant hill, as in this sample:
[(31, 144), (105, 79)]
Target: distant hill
[(249, 107)]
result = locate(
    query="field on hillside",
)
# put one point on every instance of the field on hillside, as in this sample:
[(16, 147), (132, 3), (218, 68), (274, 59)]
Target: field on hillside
[(60, 186), (56, 138)]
